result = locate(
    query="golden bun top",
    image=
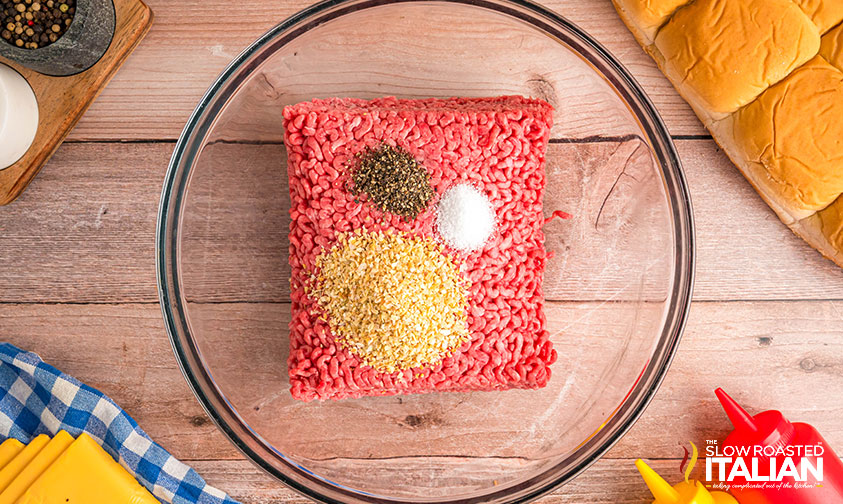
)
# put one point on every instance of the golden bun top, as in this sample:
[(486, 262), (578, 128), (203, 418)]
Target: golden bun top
[(727, 52), (831, 224), (832, 46), (824, 13), (794, 130), (648, 15)]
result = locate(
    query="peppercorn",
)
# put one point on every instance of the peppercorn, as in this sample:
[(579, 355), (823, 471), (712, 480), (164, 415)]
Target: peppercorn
[(36, 23)]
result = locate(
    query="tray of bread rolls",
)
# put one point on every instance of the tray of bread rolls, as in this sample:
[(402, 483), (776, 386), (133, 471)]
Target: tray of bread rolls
[(766, 79)]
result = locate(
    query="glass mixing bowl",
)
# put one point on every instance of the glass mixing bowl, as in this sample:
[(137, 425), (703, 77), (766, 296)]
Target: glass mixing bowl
[(617, 288)]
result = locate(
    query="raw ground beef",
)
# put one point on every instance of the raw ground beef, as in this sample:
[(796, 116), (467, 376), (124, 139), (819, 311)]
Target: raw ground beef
[(497, 144)]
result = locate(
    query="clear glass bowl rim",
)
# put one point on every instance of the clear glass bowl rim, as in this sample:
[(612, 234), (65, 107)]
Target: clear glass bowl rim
[(187, 354)]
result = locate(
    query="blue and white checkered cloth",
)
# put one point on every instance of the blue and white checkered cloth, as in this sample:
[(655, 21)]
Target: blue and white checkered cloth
[(36, 398)]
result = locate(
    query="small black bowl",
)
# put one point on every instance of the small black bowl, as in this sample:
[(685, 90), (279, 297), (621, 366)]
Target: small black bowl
[(78, 49)]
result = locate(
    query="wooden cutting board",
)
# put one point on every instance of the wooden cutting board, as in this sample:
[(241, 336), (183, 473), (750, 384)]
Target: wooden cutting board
[(63, 100)]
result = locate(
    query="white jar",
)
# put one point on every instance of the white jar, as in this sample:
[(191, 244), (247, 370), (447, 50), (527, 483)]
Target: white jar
[(18, 116)]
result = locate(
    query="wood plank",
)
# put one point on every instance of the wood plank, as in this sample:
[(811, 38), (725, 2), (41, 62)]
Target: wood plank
[(93, 226), (783, 355), (91, 216), (608, 481), (150, 98)]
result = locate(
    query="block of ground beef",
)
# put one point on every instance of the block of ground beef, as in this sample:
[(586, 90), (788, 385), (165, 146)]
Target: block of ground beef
[(498, 146)]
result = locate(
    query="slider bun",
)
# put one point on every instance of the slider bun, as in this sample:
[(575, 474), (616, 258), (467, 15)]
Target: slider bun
[(645, 17), (824, 13), (723, 53), (832, 46), (824, 230), (789, 141)]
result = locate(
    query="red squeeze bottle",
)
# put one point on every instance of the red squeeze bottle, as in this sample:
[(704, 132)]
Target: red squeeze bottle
[(769, 435)]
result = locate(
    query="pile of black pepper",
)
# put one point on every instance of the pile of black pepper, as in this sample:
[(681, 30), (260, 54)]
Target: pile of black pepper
[(31, 24), (393, 179)]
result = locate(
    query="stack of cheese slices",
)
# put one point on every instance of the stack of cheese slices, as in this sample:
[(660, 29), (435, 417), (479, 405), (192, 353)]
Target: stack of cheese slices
[(766, 78), (62, 470)]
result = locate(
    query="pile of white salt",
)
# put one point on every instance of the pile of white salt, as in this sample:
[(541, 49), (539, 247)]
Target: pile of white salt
[(465, 217)]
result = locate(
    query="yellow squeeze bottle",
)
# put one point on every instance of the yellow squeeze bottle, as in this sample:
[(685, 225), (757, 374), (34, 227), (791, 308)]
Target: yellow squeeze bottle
[(21, 460), (9, 450), (684, 492), (38, 465)]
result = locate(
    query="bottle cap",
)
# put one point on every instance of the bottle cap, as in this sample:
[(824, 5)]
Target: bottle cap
[(768, 428), (661, 489), (684, 492)]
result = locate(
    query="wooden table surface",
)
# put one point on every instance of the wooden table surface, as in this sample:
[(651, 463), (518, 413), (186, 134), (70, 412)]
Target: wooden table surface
[(77, 271)]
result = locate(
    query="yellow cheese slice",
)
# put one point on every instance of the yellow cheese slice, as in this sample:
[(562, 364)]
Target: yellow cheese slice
[(8, 450), (86, 474), (21, 460), (39, 464)]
